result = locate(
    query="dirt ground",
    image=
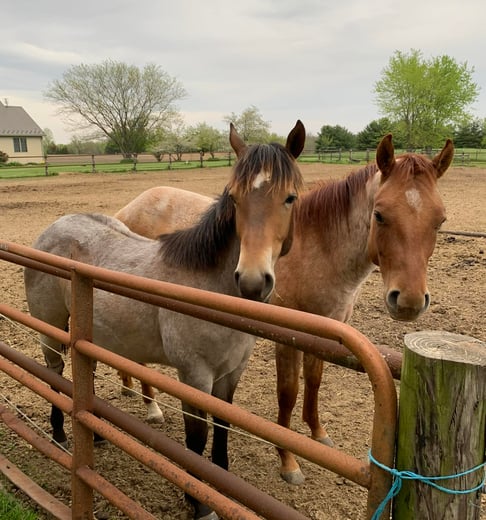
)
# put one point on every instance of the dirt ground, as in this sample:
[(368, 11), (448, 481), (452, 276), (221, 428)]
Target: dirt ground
[(457, 281)]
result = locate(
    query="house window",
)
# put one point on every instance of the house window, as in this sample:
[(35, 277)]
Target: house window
[(20, 144)]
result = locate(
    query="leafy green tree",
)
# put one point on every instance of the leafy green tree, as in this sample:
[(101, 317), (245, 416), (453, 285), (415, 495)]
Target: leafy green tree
[(275, 138), (173, 140), (250, 125), (372, 134), (78, 145), (470, 134), (111, 147), (48, 143), (427, 97), (206, 139), (335, 137), (120, 101)]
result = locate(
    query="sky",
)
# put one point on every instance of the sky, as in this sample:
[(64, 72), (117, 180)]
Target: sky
[(313, 60)]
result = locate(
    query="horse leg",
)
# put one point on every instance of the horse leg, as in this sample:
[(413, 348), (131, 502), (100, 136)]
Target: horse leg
[(54, 362), (288, 362), (196, 429), (310, 413), (154, 413), (223, 389), (127, 382)]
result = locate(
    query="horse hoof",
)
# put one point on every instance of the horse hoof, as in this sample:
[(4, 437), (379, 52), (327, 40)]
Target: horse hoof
[(64, 444), (296, 477), (211, 516), (326, 441), (155, 419)]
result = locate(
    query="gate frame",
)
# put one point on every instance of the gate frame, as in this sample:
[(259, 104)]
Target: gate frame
[(264, 320)]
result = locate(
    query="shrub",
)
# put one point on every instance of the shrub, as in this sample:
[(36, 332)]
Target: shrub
[(3, 157)]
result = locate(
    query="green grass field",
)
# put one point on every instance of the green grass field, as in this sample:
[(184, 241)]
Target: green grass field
[(11, 509), (468, 157), (11, 172)]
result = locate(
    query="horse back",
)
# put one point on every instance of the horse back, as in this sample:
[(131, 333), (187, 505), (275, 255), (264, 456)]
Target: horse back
[(163, 209)]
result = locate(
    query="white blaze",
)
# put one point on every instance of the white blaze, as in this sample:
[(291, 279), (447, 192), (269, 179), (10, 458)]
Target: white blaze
[(260, 179), (414, 200)]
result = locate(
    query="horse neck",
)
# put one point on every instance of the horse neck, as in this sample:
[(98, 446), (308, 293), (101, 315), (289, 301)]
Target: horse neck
[(207, 253), (328, 260)]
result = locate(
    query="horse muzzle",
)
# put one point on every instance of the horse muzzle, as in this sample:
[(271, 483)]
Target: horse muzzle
[(255, 286), (403, 307)]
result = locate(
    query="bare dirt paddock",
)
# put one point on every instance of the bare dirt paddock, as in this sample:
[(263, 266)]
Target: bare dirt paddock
[(457, 281)]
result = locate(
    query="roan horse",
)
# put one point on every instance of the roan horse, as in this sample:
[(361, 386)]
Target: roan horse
[(386, 214), (247, 228)]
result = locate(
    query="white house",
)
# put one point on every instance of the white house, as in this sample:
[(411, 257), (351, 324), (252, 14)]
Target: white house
[(20, 136)]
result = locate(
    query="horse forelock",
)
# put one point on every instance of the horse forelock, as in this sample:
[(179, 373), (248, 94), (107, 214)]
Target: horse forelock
[(273, 159), (329, 203), (410, 166), (204, 245)]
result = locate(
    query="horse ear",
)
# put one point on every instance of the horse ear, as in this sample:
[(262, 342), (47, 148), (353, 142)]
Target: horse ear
[(236, 141), (296, 139), (385, 155), (443, 159)]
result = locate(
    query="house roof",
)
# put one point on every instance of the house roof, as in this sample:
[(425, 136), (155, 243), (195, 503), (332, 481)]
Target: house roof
[(15, 121)]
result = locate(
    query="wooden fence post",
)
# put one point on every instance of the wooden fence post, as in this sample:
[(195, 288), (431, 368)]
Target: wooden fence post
[(442, 426)]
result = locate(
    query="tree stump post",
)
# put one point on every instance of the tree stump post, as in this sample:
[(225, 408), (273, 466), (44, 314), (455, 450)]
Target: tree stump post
[(442, 425)]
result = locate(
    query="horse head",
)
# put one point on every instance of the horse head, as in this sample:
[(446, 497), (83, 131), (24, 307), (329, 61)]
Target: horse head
[(265, 184), (407, 214)]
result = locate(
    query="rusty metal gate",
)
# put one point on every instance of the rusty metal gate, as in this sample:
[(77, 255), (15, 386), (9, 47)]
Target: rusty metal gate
[(229, 495)]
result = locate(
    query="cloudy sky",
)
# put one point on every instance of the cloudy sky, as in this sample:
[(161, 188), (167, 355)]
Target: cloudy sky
[(313, 60)]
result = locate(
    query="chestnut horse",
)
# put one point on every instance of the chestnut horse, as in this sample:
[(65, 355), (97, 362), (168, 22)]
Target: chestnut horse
[(232, 249), (386, 214)]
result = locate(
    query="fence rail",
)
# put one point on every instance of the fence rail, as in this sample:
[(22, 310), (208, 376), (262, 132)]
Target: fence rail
[(91, 163), (260, 319)]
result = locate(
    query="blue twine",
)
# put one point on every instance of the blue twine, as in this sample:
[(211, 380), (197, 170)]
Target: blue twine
[(399, 476)]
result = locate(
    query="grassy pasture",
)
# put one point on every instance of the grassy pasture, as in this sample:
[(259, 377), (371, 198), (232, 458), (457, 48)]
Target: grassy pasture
[(467, 157)]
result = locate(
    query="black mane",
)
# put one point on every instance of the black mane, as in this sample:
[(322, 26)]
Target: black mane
[(205, 244)]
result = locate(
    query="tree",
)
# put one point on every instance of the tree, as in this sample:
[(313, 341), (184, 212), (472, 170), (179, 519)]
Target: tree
[(250, 125), (426, 96), (122, 102), (84, 146), (172, 140), (335, 137), (470, 134), (48, 144), (206, 139), (375, 131)]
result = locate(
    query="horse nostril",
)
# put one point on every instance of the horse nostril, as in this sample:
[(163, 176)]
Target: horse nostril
[(269, 285), (255, 287), (393, 298)]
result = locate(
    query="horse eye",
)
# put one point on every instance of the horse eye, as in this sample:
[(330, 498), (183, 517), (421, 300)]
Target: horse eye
[(291, 199), (379, 217)]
